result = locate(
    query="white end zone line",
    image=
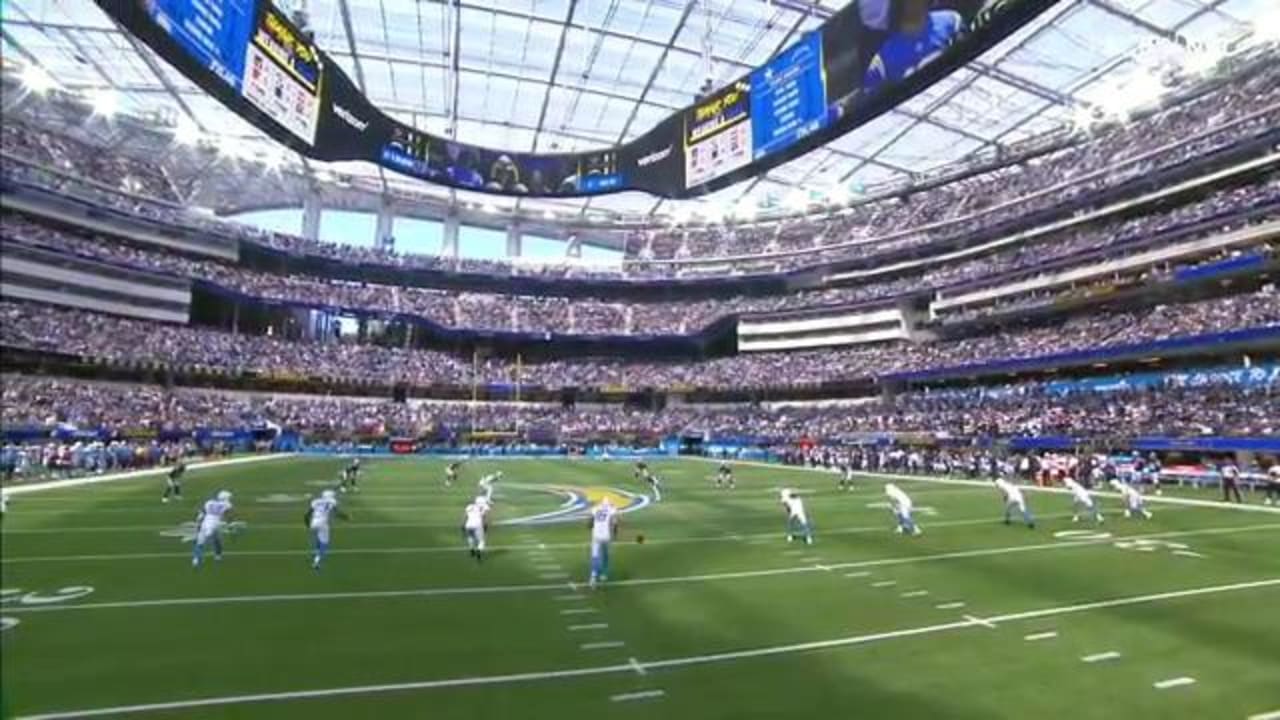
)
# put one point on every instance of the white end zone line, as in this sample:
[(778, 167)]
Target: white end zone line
[(1190, 502), (634, 582), (629, 667), (132, 474)]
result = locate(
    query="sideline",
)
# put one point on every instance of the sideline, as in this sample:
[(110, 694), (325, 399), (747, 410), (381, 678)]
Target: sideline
[(1168, 500), (629, 666), (96, 479), (634, 582)]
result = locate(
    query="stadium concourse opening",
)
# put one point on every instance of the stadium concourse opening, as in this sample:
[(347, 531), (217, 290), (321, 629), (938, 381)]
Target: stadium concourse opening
[(709, 359)]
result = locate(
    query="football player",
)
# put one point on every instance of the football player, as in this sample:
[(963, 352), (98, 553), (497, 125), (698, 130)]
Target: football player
[(901, 505), (1134, 503), (604, 527), (209, 522), (319, 515), (1081, 500), (1014, 500), (724, 476), (797, 517), (473, 529), (173, 482)]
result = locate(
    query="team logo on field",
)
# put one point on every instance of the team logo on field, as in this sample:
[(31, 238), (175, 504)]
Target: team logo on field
[(186, 532), (578, 502)]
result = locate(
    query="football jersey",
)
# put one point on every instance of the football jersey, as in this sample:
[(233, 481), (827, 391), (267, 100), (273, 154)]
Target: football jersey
[(474, 517), (213, 512), (899, 498), (602, 523), (1012, 493), (321, 510)]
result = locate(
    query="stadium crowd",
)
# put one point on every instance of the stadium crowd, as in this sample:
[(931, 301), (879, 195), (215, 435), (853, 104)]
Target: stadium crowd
[(585, 316), (131, 342), (1028, 411)]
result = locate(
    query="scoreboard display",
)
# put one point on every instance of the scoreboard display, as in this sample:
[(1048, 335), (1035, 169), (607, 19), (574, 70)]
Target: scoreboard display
[(717, 134), (255, 50), (788, 97), (866, 58)]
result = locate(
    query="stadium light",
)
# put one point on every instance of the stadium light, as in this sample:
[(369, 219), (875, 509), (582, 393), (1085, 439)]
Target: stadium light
[(105, 102), (35, 79)]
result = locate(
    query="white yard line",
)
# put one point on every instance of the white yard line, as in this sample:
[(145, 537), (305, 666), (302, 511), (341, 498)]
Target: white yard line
[(642, 695), (15, 490), (579, 611), (884, 583), (635, 582), (986, 623), (1173, 683), (628, 667), (915, 593), (858, 574), (1034, 637), (589, 626), (637, 666), (950, 606), (1101, 657), (601, 645), (1273, 715)]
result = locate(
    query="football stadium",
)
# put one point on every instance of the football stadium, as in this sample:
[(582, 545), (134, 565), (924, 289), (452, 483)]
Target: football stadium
[(680, 359)]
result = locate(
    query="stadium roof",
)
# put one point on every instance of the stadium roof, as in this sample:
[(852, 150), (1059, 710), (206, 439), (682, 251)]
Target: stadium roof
[(548, 75)]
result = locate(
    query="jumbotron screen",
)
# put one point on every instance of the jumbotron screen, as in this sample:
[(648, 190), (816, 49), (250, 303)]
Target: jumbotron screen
[(869, 56)]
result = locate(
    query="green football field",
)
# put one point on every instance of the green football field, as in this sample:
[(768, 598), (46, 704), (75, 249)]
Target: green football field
[(715, 615)]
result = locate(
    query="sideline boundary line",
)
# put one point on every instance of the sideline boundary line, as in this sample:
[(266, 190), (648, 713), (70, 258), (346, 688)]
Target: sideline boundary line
[(133, 474), (628, 667), (634, 582)]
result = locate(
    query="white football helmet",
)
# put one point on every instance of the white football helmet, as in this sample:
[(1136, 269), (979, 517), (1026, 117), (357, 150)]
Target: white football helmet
[(328, 495), (224, 495)]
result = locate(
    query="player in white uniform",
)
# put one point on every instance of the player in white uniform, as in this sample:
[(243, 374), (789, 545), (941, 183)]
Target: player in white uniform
[(209, 523), (473, 527), (1014, 500), (319, 517), (486, 486), (1134, 503), (797, 519), (901, 505), (604, 526), (1081, 500)]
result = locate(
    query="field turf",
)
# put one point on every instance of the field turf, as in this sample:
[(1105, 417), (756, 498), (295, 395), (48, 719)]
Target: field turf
[(714, 616)]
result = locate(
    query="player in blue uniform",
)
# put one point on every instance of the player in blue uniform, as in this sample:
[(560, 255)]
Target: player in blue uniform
[(917, 37)]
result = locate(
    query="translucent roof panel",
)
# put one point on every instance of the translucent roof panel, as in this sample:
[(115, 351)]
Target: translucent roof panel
[(556, 75)]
